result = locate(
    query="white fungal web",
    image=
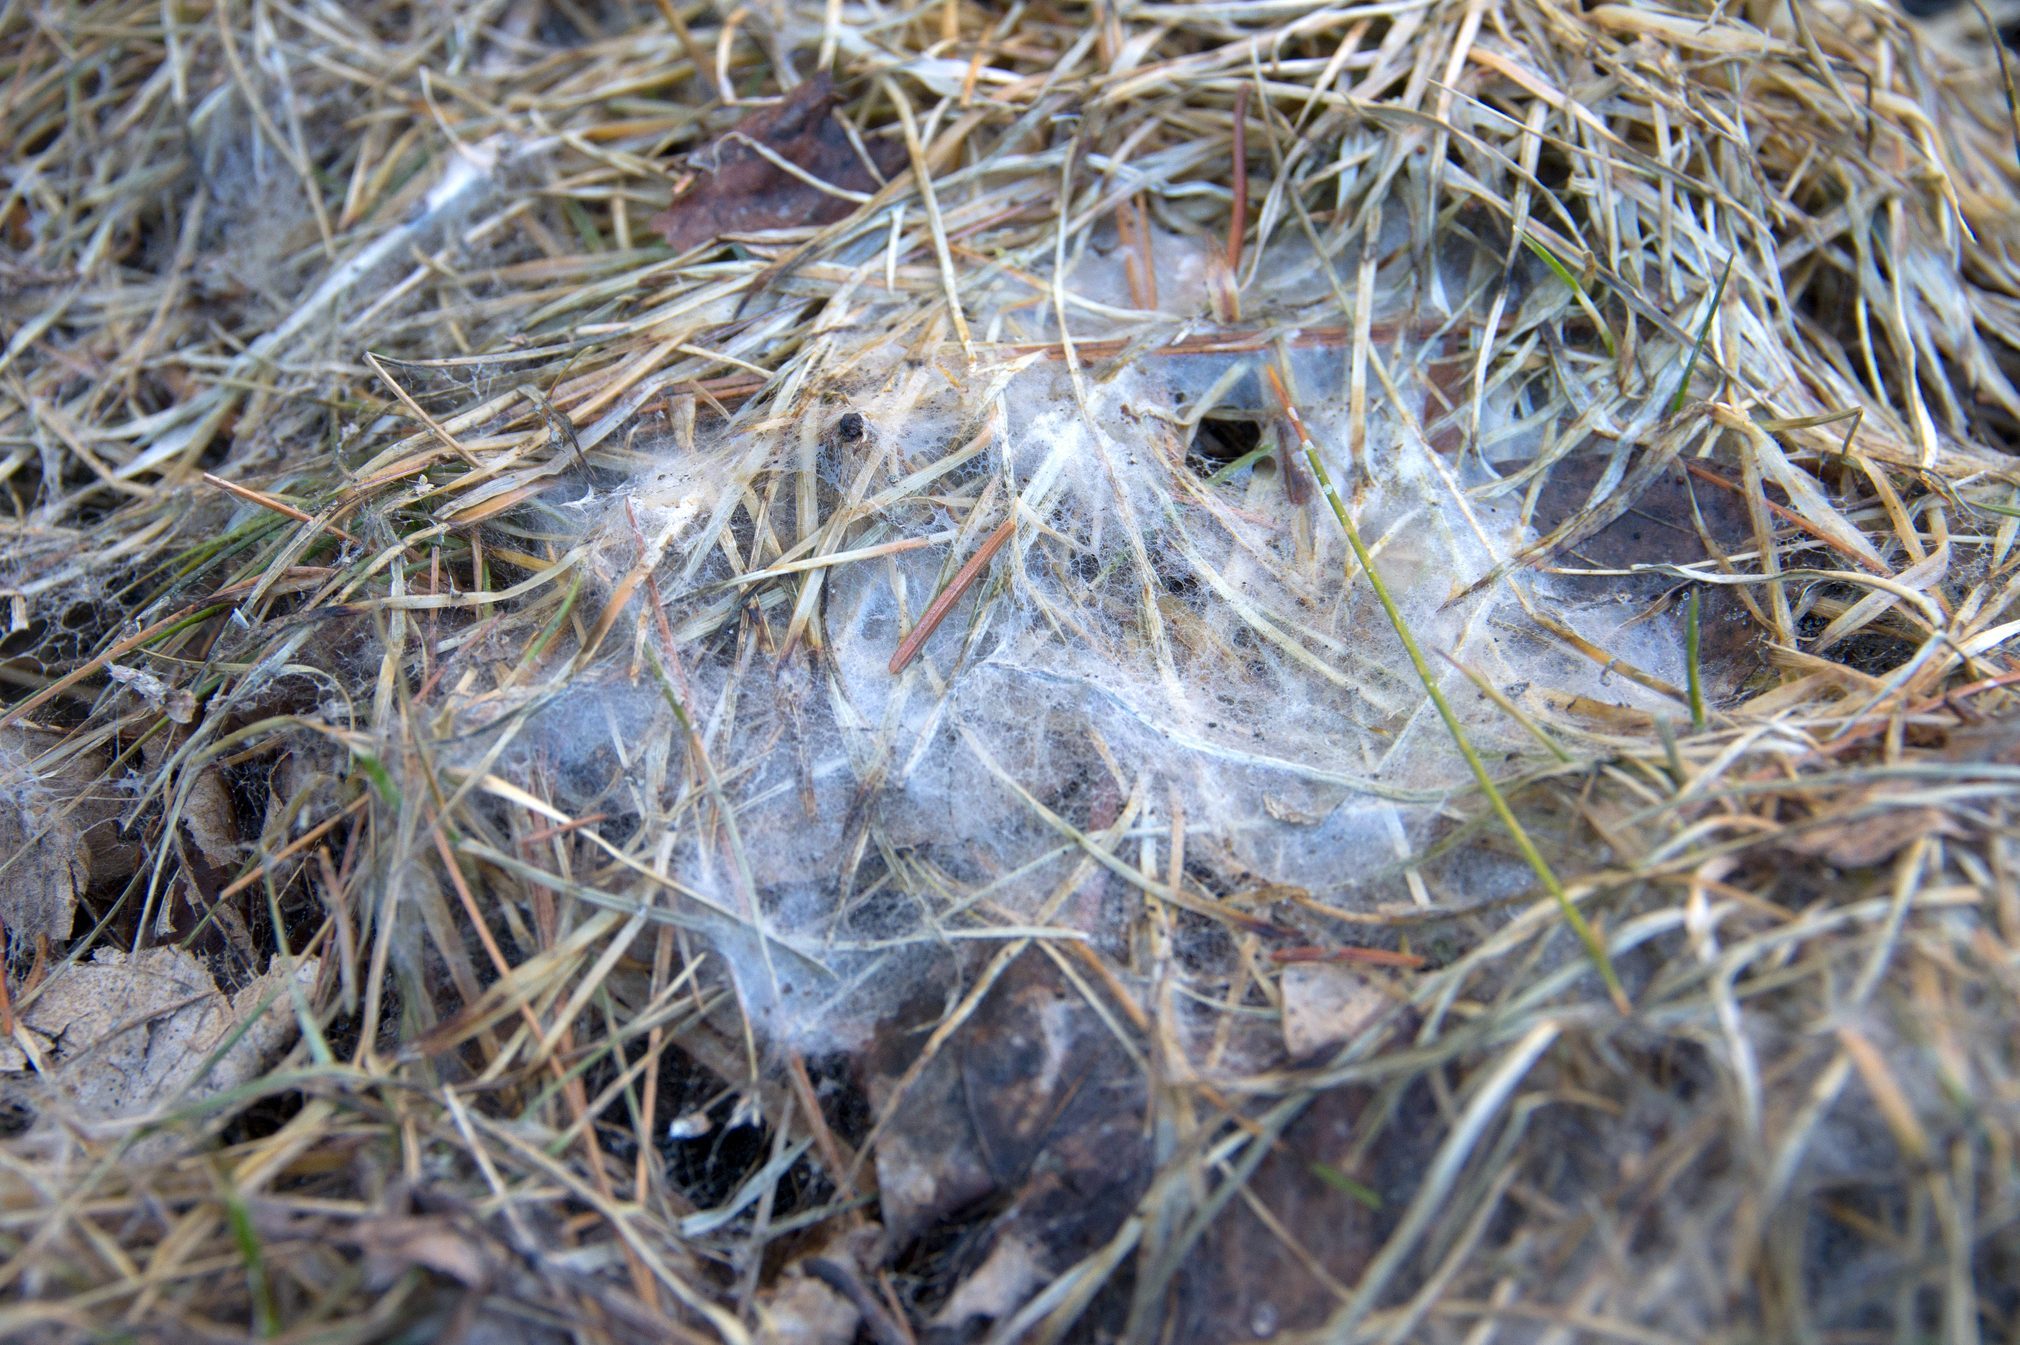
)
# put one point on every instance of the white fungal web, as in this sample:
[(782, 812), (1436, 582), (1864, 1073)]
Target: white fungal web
[(1172, 640)]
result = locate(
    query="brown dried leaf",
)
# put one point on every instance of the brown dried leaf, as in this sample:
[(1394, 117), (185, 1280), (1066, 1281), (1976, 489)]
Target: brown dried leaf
[(1031, 1095), (1249, 1281), (46, 870), (130, 1035), (211, 821), (735, 189)]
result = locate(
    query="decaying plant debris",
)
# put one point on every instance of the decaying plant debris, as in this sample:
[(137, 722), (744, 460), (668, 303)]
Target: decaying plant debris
[(1193, 672)]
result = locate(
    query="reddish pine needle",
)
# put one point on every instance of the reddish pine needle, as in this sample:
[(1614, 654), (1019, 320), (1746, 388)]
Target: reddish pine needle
[(1237, 223), (937, 612)]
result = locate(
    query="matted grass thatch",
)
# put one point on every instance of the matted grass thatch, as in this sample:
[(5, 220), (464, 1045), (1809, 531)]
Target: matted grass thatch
[(1196, 670)]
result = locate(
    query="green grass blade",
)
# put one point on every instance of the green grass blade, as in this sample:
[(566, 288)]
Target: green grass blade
[(1703, 333), (247, 1238), (1565, 274), (1346, 1185)]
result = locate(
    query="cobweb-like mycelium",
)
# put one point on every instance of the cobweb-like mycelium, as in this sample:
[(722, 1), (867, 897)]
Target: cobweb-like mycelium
[(1158, 640), (603, 698)]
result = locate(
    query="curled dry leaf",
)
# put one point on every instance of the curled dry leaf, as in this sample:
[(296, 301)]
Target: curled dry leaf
[(737, 186), (209, 818), (46, 866)]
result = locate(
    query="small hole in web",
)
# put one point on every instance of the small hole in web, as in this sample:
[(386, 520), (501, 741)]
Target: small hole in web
[(1220, 440)]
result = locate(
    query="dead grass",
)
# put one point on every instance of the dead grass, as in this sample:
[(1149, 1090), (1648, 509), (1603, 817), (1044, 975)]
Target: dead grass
[(655, 796)]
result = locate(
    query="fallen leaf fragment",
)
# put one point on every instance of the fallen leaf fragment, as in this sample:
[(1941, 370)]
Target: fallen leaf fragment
[(1003, 1282), (433, 1242), (45, 863), (803, 1311), (1326, 1004), (737, 186), (120, 1038), (175, 702)]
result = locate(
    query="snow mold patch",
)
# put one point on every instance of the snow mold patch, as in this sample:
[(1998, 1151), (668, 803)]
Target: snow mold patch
[(1149, 645)]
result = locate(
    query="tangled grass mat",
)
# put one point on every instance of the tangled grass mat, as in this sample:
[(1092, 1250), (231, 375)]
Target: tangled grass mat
[(939, 672)]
